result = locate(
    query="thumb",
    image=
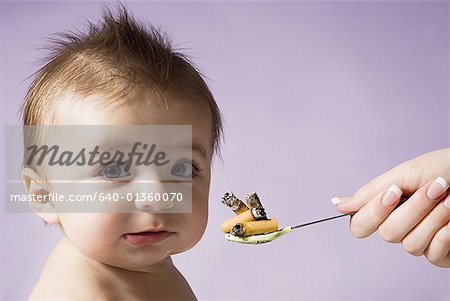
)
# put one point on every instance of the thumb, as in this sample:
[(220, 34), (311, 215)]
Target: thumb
[(401, 175)]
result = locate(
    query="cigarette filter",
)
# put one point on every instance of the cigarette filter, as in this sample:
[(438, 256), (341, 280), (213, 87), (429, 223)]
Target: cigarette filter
[(234, 203), (246, 216), (255, 227)]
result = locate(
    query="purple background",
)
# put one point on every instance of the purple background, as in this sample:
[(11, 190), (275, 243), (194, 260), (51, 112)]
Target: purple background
[(318, 98)]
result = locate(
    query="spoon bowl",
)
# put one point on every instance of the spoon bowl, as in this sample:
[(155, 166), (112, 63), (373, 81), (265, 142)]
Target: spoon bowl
[(259, 238)]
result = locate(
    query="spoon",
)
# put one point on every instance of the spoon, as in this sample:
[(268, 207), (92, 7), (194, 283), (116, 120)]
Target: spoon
[(268, 237)]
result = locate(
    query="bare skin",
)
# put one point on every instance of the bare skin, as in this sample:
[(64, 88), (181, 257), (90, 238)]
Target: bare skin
[(93, 261), (103, 282), (422, 224)]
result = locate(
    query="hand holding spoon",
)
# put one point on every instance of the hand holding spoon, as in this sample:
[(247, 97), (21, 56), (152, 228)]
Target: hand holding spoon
[(268, 237)]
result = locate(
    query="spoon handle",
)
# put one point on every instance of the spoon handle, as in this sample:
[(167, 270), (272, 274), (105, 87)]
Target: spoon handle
[(338, 216)]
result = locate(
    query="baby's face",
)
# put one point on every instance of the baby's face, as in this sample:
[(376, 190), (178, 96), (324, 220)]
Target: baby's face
[(105, 237)]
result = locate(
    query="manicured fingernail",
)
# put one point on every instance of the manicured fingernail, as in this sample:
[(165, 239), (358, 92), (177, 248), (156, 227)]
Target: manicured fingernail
[(341, 199), (437, 188), (336, 201), (447, 202), (392, 195)]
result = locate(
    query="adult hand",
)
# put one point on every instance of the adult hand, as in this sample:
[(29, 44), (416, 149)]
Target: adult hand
[(421, 224)]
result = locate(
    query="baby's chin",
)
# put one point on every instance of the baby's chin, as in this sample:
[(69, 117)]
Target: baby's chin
[(144, 258), (121, 254), (148, 260), (145, 261), (146, 264)]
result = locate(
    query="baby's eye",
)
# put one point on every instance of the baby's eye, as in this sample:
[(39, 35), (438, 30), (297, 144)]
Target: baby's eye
[(184, 169), (114, 171)]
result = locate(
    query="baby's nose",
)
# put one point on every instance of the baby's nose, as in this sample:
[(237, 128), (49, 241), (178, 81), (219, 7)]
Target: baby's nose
[(153, 196)]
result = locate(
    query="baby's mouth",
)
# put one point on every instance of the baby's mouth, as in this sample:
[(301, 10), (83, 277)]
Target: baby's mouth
[(148, 237)]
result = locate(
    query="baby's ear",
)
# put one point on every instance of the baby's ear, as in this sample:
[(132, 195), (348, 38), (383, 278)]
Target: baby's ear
[(41, 204)]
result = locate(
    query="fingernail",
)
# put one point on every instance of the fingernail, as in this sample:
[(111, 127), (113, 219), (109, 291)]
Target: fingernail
[(336, 201), (437, 188), (341, 200), (392, 195), (447, 202)]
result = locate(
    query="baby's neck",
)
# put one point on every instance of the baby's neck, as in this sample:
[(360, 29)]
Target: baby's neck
[(159, 281)]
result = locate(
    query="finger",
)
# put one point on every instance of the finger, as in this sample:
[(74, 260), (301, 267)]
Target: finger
[(368, 218), (438, 252), (368, 191), (418, 239), (341, 200), (400, 222)]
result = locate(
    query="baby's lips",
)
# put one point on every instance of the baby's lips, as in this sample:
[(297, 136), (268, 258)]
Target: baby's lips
[(152, 229)]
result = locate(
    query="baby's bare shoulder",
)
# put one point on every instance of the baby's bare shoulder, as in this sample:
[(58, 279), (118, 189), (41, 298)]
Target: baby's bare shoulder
[(73, 287), (67, 276)]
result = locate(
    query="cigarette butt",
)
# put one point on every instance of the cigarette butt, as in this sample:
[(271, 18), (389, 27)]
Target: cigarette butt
[(253, 200), (234, 203), (246, 216), (259, 213), (255, 227)]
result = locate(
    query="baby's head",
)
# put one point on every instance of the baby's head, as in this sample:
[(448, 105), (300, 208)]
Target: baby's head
[(122, 73)]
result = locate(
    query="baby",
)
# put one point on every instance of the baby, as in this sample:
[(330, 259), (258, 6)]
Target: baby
[(120, 73)]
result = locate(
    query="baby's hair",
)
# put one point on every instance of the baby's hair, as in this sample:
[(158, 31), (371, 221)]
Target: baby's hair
[(117, 58)]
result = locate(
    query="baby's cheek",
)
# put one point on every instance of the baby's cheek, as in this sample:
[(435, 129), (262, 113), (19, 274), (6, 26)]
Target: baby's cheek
[(93, 234), (197, 221)]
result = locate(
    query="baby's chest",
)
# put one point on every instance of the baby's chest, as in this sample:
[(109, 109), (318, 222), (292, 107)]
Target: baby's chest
[(177, 289)]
